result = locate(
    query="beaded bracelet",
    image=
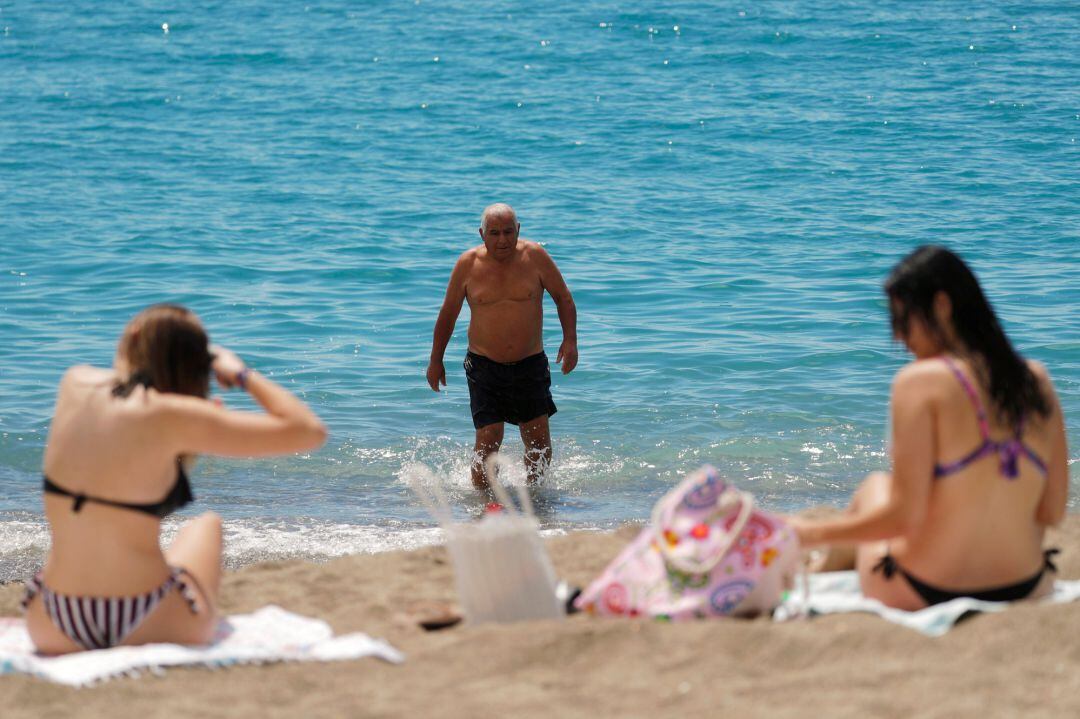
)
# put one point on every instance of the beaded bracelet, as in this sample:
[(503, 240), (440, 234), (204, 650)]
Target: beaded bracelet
[(242, 378)]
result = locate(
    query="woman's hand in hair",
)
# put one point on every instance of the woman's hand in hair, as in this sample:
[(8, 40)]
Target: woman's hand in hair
[(226, 366)]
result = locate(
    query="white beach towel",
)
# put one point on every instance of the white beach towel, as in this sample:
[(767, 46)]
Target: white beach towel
[(836, 592), (269, 635)]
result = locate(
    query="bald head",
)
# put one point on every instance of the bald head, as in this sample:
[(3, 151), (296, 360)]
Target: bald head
[(500, 211)]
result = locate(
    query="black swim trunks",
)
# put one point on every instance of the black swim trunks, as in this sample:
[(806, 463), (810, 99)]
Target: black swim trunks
[(513, 392)]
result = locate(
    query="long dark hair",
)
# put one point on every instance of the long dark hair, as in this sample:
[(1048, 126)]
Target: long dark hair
[(911, 287), (166, 347)]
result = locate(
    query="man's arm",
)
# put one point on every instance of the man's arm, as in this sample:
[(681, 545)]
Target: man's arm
[(444, 325), (552, 281)]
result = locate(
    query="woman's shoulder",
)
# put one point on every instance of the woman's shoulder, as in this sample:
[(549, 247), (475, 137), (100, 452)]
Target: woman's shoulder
[(1046, 385), (81, 381), (148, 404), (924, 382), (921, 371), (85, 374), (165, 416), (171, 406), (1039, 370)]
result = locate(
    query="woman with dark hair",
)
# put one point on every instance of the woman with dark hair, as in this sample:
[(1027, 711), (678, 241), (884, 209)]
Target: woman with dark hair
[(979, 465), (115, 467)]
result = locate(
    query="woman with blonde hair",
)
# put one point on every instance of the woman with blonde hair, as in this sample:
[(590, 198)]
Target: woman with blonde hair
[(115, 466), (979, 459)]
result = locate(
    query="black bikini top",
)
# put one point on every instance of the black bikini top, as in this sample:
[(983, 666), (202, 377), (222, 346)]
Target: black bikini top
[(178, 496)]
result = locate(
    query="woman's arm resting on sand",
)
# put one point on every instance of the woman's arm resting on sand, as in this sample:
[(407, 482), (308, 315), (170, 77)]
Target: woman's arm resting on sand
[(913, 469)]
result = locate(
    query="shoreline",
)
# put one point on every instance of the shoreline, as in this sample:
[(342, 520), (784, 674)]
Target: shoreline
[(1022, 660)]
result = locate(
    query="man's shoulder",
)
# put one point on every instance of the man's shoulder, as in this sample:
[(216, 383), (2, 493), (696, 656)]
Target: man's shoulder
[(528, 248), (470, 255)]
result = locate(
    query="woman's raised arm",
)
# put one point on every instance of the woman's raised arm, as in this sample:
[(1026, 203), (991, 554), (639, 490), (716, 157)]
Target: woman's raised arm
[(202, 427)]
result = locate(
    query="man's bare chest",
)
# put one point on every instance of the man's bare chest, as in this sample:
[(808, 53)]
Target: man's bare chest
[(488, 287)]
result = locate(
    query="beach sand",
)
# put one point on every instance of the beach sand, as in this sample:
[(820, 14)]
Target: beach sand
[(1023, 662)]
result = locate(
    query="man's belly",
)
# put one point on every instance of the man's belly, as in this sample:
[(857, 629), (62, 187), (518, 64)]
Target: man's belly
[(506, 333)]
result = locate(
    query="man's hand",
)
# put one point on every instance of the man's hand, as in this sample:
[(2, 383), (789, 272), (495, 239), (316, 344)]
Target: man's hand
[(436, 374), (567, 356)]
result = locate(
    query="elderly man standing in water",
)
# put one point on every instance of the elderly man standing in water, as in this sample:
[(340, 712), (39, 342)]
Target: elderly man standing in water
[(504, 280)]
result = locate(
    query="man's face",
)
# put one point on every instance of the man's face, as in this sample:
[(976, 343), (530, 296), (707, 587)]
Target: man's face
[(500, 234)]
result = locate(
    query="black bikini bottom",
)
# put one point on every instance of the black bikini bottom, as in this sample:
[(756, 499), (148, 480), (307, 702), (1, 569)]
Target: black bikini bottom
[(935, 595)]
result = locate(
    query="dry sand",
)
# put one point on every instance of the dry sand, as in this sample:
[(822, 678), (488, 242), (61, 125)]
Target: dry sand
[(1024, 662)]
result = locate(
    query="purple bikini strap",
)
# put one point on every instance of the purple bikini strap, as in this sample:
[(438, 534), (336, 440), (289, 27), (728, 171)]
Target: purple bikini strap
[(940, 470), (1009, 451), (1034, 458), (984, 423)]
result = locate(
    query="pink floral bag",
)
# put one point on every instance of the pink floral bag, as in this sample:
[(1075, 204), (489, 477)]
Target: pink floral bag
[(707, 553)]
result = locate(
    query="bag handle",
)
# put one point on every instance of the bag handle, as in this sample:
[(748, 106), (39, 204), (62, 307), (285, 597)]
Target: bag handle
[(495, 462), (688, 564), (428, 489), (492, 465), (426, 486)]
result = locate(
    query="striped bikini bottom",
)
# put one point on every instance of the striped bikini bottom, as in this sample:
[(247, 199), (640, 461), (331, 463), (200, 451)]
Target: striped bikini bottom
[(102, 622)]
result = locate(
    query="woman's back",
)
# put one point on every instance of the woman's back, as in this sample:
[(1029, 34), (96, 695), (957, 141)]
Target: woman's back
[(111, 448), (980, 527)]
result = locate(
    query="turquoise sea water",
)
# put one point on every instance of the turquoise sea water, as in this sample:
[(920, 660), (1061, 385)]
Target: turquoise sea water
[(724, 185)]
